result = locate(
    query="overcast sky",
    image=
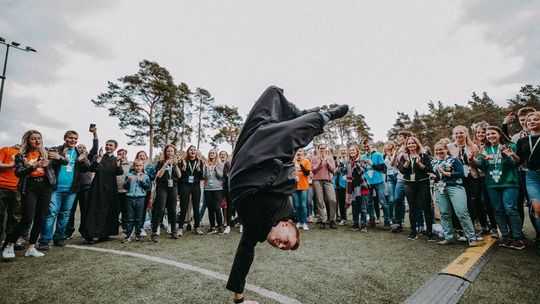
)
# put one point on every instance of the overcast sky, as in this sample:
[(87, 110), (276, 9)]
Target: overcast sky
[(378, 56)]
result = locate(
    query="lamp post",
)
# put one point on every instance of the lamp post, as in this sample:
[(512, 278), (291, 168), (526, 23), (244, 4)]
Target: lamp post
[(15, 45)]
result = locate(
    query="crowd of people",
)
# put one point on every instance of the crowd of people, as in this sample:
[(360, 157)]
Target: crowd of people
[(477, 182)]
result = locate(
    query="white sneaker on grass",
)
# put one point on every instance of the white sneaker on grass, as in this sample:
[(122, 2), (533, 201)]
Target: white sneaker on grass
[(298, 225), (33, 253), (305, 227), (8, 253), (227, 230), (199, 231), (143, 233), (241, 229), (342, 223)]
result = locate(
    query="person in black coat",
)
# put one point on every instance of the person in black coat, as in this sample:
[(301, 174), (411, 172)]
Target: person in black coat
[(261, 177)]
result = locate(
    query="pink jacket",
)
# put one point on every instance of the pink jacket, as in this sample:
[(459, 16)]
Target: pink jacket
[(323, 168)]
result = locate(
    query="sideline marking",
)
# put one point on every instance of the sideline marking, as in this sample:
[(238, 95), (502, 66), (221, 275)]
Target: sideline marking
[(216, 275)]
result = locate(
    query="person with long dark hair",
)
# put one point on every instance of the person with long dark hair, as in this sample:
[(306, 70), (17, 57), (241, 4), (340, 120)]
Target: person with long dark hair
[(167, 176), (33, 167), (190, 186), (499, 161), (227, 206), (415, 165)]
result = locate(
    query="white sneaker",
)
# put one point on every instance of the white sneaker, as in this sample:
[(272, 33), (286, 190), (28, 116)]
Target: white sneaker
[(33, 253), (305, 227), (199, 231), (342, 223), (227, 230), (298, 225), (143, 232), (241, 229), (179, 232), (462, 239), (169, 229), (8, 253)]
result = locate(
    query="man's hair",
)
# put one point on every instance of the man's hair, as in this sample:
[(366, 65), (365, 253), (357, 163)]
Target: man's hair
[(121, 150), (70, 132), (112, 141), (297, 238), (137, 161), (525, 110), (405, 133)]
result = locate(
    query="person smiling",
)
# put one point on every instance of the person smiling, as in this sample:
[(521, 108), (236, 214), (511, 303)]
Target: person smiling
[(499, 161)]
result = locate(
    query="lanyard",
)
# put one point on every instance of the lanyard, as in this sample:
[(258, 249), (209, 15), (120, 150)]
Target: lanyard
[(169, 169), (464, 157), (532, 147), (495, 156), (413, 160), (191, 168)]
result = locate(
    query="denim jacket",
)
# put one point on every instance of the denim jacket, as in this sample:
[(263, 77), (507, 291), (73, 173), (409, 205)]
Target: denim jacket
[(136, 188)]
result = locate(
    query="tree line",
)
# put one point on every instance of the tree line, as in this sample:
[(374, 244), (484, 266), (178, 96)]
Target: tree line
[(152, 109)]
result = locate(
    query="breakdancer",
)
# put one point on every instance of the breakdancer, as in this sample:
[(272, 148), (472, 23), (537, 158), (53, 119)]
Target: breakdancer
[(261, 176)]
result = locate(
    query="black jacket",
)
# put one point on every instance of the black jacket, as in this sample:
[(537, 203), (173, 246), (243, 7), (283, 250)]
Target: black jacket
[(80, 167), (22, 171)]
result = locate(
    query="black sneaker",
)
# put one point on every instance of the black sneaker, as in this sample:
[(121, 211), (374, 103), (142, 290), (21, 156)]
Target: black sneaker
[(154, 238), (429, 237), (333, 225), (517, 244), (505, 242), (316, 109), (43, 247), (89, 241), (174, 235), (104, 239), (188, 227), (412, 236), (354, 228), (322, 225), (60, 243), (339, 112), (397, 228)]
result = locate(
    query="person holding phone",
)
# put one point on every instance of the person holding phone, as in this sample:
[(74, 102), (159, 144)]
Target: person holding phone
[(102, 216)]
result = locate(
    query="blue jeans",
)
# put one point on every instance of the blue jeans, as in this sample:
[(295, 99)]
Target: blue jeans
[(399, 199), (379, 189), (310, 205), (359, 210), (134, 209), (532, 180), (59, 212), (391, 181), (454, 196), (300, 205), (504, 201)]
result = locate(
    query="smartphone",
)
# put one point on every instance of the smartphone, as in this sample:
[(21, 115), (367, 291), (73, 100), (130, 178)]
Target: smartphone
[(91, 127)]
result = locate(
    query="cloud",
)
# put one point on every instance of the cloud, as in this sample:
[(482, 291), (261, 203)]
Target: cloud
[(515, 26), (50, 27)]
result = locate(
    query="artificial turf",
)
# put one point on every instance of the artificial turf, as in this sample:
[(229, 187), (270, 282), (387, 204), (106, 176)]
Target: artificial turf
[(331, 266)]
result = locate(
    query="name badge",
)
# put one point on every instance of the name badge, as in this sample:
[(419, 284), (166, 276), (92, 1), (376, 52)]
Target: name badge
[(466, 170), (496, 175), (170, 183), (440, 186), (370, 173), (69, 168), (210, 183), (191, 179), (413, 176)]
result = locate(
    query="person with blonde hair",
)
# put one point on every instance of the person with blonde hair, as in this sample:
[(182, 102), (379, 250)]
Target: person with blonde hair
[(213, 191), (33, 167)]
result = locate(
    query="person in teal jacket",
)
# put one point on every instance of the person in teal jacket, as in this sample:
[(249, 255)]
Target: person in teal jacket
[(499, 161), (137, 183)]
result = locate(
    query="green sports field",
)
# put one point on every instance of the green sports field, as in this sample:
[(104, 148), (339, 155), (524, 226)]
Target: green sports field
[(330, 267)]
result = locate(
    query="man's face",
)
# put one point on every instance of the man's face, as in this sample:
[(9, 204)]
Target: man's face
[(71, 140), (322, 150), (110, 147), (366, 146), (283, 236), (523, 121), (121, 154)]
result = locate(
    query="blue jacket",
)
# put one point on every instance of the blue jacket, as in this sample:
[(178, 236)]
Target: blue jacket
[(136, 188)]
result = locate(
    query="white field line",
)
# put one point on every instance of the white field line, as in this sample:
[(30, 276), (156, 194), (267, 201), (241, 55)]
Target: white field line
[(216, 275)]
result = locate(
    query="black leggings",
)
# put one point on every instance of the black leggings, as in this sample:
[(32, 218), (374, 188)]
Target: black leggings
[(419, 198), (165, 197), (83, 197), (213, 202), (340, 196), (34, 208), (193, 191)]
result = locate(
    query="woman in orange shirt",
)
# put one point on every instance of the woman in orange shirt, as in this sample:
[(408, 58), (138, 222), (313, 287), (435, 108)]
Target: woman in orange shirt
[(36, 182), (302, 168)]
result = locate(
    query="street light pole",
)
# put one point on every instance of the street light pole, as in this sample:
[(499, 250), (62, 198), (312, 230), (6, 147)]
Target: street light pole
[(3, 77)]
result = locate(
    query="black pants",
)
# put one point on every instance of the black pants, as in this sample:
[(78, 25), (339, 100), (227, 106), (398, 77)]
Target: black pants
[(340, 197), (473, 187), (419, 198), (213, 202), (34, 209), (165, 198), (122, 202), (81, 200), (192, 191), (9, 206)]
